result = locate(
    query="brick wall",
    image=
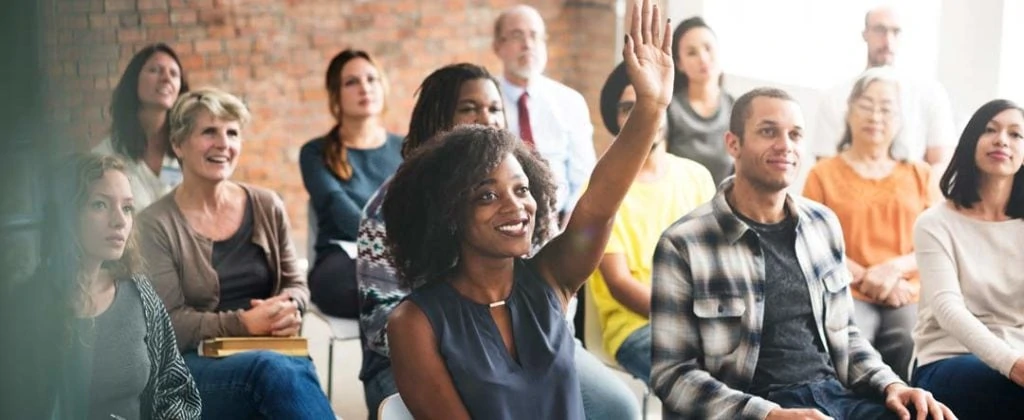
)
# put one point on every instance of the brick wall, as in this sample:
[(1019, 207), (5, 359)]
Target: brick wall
[(273, 54)]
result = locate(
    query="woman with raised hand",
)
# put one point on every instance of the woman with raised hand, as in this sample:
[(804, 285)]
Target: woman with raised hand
[(454, 95), (341, 170), (877, 198), (483, 333), (222, 261), (970, 252), (145, 93)]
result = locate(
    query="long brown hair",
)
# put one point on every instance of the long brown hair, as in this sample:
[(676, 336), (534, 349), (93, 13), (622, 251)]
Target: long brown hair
[(90, 168), (335, 152)]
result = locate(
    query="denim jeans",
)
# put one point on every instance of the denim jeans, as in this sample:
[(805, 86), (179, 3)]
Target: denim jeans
[(376, 389), (634, 354), (605, 396), (258, 384), (972, 389), (833, 399)]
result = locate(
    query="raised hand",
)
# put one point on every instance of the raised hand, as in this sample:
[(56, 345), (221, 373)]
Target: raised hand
[(647, 54)]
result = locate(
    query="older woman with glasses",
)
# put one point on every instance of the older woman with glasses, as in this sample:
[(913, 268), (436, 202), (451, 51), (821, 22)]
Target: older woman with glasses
[(877, 199)]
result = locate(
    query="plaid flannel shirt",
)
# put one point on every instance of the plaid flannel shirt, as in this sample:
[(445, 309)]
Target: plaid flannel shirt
[(707, 310)]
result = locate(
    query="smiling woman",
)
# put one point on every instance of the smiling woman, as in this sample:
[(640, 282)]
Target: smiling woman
[(483, 331), (222, 260)]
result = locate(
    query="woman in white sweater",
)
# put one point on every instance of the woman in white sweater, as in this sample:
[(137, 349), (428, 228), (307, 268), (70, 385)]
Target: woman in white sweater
[(970, 253)]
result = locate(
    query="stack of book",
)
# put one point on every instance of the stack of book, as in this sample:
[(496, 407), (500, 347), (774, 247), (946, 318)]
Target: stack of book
[(227, 346)]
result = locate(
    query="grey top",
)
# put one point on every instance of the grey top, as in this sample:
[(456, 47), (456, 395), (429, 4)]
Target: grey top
[(241, 267), (541, 384), (120, 360), (791, 352), (694, 137)]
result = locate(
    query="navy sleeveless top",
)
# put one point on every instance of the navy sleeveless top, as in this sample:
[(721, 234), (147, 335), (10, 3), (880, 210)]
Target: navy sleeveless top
[(492, 385)]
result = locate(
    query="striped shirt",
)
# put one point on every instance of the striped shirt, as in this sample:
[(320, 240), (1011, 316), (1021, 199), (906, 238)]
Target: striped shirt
[(707, 310)]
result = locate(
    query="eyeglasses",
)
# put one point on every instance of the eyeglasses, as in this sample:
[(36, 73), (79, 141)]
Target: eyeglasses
[(520, 37), (885, 30), (869, 109)]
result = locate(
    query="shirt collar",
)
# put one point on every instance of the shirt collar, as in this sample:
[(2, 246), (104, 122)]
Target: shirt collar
[(513, 91), (733, 228)]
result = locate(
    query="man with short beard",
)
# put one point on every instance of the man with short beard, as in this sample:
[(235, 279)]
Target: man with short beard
[(550, 116), (927, 118), (751, 308)]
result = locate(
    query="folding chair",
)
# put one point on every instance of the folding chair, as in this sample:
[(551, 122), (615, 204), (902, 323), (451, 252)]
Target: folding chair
[(342, 329), (594, 342), (393, 408)]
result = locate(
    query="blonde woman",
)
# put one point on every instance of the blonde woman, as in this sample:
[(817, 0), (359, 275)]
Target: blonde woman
[(222, 261)]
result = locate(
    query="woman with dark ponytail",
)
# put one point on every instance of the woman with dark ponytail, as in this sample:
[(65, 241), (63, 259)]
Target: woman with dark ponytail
[(341, 170)]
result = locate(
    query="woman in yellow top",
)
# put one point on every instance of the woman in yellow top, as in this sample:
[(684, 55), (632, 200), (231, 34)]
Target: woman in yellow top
[(877, 199), (666, 188)]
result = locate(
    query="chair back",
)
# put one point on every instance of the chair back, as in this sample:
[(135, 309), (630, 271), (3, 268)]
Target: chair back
[(311, 230), (593, 337), (393, 408)]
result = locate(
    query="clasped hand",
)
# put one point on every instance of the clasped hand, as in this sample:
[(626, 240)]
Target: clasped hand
[(278, 316)]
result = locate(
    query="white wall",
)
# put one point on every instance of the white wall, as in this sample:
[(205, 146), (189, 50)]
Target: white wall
[(1011, 78), (960, 42)]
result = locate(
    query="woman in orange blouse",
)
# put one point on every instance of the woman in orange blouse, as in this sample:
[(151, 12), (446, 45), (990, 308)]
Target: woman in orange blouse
[(877, 199)]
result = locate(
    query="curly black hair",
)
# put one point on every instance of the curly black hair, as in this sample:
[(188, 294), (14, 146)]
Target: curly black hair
[(427, 204)]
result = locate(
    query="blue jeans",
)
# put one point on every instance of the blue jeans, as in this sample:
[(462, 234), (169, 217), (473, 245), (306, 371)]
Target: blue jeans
[(634, 354), (972, 389), (832, 398), (605, 397), (258, 384), (377, 388)]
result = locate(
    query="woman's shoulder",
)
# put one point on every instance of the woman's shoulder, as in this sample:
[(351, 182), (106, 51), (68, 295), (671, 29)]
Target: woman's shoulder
[(920, 169), (681, 166), (937, 218), (313, 146), (262, 195), (145, 288), (395, 139), (161, 211), (105, 147), (393, 145)]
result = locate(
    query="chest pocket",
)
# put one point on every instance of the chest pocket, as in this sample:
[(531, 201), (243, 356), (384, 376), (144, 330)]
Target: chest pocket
[(721, 323), (838, 303)]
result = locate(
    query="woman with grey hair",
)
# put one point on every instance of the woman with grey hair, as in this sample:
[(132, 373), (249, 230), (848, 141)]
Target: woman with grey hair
[(222, 261), (877, 199)]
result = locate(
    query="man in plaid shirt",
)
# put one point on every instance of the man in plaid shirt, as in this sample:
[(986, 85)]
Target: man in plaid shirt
[(751, 309)]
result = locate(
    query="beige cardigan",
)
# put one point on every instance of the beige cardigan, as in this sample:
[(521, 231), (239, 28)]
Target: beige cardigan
[(178, 261)]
